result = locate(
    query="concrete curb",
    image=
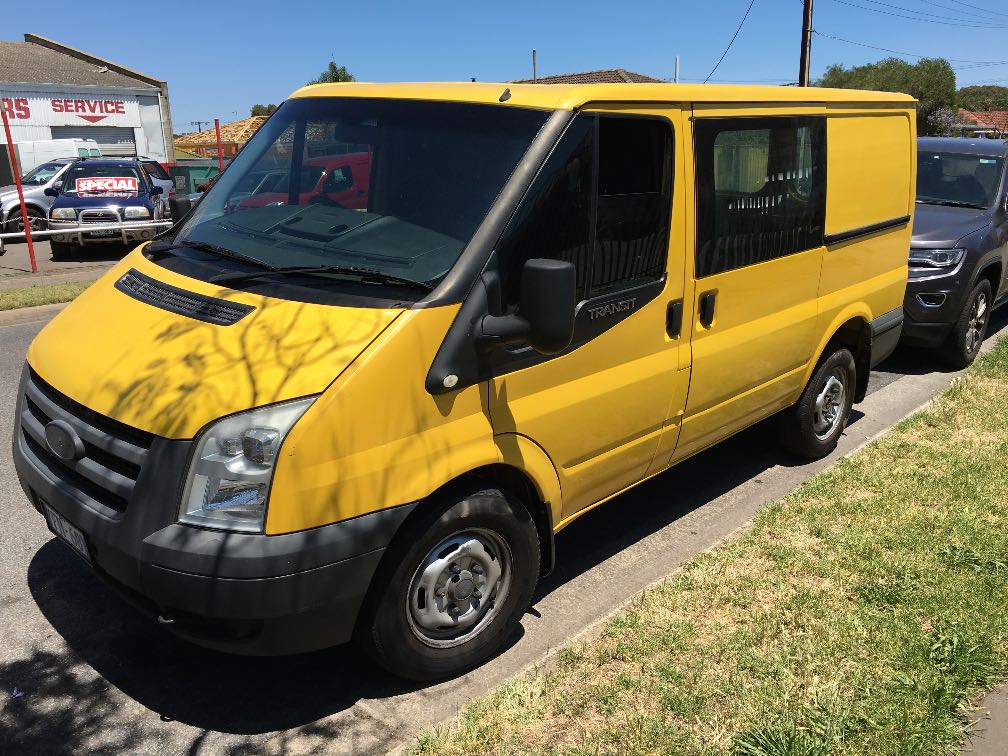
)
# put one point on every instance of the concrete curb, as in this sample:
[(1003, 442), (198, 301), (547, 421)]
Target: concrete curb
[(29, 314), (26, 280)]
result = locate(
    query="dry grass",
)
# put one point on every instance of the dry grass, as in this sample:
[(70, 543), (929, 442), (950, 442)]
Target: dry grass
[(42, 294), (855, 617)]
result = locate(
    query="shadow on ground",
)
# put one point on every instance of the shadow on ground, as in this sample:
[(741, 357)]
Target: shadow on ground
[(66, 708)]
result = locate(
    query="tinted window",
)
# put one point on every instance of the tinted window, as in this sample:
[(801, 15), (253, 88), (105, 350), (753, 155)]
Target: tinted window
[(952, 178), (155, 170), (112, 180), (42, 173), (611, 223), (760, 190)]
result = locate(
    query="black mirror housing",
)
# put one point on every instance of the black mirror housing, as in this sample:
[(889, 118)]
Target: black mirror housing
[(545, 317), (179, 206), (51, 191), (156, 190)]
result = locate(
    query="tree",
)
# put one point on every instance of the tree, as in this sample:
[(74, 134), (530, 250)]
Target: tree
[(982, 97), (931, 81), (263, 110), (333, 74)]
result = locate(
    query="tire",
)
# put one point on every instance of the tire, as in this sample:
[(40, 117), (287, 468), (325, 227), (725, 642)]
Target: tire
[(37, 219), (409, 636), (813, 426), (60, 250), (963, 345)]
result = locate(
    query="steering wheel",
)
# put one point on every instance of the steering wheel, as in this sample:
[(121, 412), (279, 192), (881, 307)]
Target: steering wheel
[(321, 199)]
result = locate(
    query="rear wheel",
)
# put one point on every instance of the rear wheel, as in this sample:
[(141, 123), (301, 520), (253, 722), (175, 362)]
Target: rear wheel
[(963, 344), (813, 426), (452, 587)]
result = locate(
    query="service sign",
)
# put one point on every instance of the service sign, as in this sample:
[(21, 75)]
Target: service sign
[(116, 186), (71, 109)]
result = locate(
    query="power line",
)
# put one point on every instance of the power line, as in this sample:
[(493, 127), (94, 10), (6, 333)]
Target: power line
[(977, 7), (958, 18), (916, 18), (731, 42), (979, 16), (910, 54)]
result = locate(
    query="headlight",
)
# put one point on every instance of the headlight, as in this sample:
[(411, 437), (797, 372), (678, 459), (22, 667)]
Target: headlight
[(136, 212), (936, 258), (63, 213), (230, 473)]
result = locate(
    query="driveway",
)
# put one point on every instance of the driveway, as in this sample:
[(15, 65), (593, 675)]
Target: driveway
[(80, 672)]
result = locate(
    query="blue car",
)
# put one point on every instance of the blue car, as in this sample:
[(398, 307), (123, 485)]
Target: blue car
[(103, 191)]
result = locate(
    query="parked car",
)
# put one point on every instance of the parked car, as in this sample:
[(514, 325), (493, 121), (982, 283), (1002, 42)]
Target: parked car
[(959, 250), (158, 175), (103, 191), (37, 202), (303, 423), (336, 179)]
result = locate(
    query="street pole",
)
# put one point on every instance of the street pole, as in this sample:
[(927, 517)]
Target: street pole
[(676, 79), (16, 170), (806, 45), (533, 65), (220, 152)]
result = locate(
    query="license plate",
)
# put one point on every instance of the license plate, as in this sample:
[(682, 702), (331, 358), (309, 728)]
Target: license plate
[(109, 232), (70, 534)]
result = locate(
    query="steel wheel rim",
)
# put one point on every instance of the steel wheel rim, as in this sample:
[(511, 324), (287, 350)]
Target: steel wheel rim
[(977, 321), (455, 592), (828, 411)]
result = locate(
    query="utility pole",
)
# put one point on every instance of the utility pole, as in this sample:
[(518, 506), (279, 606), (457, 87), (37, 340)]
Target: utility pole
[(533, 65), (806, 45), (676, 79)]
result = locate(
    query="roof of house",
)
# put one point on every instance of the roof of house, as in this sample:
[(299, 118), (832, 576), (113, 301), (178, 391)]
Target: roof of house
[(38, 60), (235, 132), (605, 76), (571, 96), (992, 119)]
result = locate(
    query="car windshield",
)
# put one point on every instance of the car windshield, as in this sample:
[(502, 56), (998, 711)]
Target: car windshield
[(954, 178), (41, 174), (88, 179), (396, 187)]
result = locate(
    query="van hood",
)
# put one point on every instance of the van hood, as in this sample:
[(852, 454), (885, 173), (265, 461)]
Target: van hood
[(170, 374), (939, 226)]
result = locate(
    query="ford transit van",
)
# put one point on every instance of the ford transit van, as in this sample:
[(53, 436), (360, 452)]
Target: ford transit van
[(281, 427)]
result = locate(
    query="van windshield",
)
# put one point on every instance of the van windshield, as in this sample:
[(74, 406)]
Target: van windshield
[(396, 187), (958, 179)]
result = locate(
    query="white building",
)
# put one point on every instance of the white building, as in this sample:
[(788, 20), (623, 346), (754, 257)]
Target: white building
[(52, 91)]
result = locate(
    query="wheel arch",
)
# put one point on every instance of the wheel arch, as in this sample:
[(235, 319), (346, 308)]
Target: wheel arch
[(851, 328), (992, 271)]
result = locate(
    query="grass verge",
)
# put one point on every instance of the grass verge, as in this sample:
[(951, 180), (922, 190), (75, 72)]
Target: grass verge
[(855, 617), (42, 294)]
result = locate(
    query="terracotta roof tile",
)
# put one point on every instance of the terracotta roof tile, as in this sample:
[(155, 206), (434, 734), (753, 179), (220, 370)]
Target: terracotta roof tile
[(605, 76)]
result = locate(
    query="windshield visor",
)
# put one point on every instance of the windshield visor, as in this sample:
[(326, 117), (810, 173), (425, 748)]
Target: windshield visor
[(395, 186), (958, 179)]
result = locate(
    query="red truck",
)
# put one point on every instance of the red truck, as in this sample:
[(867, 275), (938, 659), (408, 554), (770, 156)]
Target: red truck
[(339, 179)]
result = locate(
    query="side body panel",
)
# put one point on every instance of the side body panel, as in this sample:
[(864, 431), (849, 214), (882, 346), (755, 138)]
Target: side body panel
[(601, 410)]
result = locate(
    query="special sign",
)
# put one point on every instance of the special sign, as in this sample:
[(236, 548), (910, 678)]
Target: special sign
[(108, 185)]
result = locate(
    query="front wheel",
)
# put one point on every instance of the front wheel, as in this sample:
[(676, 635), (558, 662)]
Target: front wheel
[(36, 221), (452, 587), (812, 427), (963, 344), (60, 250)]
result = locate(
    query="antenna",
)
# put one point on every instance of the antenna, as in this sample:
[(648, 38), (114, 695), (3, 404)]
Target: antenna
[(199, 124)]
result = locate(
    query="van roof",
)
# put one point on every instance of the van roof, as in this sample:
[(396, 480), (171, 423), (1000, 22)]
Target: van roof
[(570, 96)]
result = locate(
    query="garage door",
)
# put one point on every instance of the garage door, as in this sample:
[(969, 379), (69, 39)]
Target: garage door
[(112, 140)]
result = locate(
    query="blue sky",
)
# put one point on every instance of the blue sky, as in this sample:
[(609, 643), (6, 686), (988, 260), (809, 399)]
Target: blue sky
[(221, 57)]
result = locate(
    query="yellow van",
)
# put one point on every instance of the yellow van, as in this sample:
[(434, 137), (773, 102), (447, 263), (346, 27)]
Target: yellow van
[(416, 329)]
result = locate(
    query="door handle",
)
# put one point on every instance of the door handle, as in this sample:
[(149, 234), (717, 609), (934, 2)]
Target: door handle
[(673, 319), (706, 309)]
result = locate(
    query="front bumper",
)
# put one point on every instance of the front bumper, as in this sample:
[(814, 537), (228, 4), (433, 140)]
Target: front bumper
[(236, 592), (932, 304), (75, 235)]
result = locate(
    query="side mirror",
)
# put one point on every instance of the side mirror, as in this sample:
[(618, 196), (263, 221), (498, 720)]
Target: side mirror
[(51, 191), (156, 190), (545, 317), (179, 206)]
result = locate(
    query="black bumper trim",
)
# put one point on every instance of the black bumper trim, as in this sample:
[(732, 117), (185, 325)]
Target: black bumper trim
[(885, 335)]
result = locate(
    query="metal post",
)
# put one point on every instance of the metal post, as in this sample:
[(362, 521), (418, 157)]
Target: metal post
[(806, 45), (533, 65), (16, 169), (220, 152), (676, 79)]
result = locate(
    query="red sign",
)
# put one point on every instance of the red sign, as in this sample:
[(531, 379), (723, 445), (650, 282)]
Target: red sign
[(107, 185), (90, 110), (16, 108)]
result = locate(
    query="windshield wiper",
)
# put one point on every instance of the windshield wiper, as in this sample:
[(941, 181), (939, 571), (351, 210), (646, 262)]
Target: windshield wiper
[(365, 274), (215, 249), (951, 203)]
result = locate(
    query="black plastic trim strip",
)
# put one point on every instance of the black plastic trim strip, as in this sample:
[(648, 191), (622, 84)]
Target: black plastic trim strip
[(874, 228), (885, 323), (208, 309)]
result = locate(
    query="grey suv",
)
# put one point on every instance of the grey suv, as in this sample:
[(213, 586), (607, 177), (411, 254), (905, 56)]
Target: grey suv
[(959, 249), (34, 183)]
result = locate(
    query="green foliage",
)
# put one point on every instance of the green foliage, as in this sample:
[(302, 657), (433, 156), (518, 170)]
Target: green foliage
[(930, 80), (263, 110), (333, 74), (983, 97)]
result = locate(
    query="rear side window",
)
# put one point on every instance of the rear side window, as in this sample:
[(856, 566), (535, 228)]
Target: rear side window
[(155, 170), (760, 190), (602, 201)]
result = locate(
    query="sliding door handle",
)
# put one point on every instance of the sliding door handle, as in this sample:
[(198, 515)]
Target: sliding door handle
[(705, 311)]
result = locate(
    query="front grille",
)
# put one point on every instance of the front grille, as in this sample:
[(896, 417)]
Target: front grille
[(192, 305), (114, 453), (99, 216)]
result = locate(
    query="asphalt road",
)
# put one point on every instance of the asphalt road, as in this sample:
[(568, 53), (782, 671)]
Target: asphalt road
[(80, 672)]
